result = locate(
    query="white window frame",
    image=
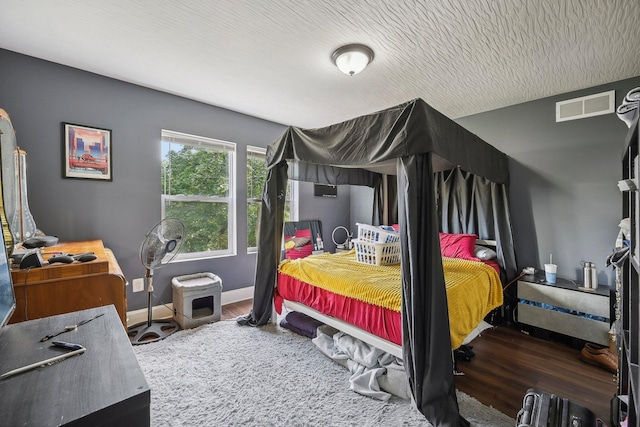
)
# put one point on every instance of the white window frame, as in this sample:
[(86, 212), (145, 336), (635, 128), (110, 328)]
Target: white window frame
[(230, 147), (293, 213), (251, 150)]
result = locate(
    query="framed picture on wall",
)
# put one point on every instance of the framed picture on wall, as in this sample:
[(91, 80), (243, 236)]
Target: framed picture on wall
[(87, 152)]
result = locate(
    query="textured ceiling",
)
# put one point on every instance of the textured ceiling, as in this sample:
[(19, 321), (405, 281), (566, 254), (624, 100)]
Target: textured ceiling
[(271, 58)]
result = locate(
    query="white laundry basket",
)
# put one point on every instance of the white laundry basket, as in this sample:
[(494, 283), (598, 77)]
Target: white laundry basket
[(196, 299), (376, 245)]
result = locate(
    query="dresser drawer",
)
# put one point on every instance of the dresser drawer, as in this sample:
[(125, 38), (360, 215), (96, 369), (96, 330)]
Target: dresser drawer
[(564, 323), (581, 301)]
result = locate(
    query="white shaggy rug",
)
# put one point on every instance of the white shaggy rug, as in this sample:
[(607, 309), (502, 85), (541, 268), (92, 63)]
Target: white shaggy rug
[(223, 374)]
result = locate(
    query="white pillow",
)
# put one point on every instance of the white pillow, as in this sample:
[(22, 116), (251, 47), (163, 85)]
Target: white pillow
[(485, 254)]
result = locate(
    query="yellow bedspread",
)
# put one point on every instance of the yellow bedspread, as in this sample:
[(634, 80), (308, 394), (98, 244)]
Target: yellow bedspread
[(473, 288)]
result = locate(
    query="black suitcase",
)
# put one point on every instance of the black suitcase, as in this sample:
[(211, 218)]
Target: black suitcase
[(543, 409)]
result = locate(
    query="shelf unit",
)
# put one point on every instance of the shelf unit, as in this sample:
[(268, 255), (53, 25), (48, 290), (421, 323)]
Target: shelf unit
[(627, 401)]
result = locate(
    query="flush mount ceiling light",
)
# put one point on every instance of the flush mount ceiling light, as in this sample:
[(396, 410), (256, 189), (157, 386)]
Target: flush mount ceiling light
[(352, 58)]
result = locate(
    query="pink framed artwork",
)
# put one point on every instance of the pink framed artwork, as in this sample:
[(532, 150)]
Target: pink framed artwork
[(87, 152)]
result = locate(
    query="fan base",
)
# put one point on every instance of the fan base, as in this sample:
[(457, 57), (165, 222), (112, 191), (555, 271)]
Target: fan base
[(142, 333)]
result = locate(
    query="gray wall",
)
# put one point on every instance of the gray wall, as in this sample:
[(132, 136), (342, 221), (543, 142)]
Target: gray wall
[(332, 212), (361, 207), (39, 95), (564, 198)]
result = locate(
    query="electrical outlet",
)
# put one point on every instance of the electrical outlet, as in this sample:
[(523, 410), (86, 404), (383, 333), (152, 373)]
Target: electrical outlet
[(138, 285)]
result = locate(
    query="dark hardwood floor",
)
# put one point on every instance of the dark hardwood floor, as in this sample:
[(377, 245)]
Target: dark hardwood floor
[(508, 362), (231, 311)]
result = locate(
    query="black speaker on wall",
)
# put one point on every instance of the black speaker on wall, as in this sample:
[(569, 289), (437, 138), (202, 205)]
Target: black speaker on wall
[(325, 190)]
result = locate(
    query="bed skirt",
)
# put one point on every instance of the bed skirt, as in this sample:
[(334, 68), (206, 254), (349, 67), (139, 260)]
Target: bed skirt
[(379, 321)]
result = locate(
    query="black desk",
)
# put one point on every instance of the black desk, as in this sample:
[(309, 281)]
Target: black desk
[(102, 387)]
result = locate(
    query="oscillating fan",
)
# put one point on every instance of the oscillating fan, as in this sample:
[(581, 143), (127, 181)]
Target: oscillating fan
[(161, 244)]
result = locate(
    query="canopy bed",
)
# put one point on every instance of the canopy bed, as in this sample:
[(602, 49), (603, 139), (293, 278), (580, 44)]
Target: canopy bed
[(415, 143)]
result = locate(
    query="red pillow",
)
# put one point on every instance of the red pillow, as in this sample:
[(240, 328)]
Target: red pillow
[(458, 245), (303, 233), (300, 251)]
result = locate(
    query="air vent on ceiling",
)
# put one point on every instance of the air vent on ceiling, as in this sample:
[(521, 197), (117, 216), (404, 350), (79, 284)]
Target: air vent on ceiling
[(586, 106)]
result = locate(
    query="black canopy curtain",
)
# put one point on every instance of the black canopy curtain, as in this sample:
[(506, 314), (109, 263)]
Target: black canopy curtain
[(475, 205), (412, 141), (426, 342)]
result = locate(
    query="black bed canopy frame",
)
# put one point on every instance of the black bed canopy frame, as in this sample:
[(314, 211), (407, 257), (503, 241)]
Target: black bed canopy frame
[(412, 141)]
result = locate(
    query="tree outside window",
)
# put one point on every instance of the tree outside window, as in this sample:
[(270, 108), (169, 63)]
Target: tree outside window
[(198, 188)]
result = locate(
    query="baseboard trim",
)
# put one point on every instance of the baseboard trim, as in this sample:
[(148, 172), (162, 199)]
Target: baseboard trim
[(242, 294), (136, 317)]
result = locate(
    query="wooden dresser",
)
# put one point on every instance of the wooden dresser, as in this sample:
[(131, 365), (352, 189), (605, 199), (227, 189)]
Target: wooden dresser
[(63, 288)]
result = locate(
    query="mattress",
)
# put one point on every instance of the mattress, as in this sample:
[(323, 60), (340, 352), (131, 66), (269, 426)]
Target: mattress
[(370, 297)]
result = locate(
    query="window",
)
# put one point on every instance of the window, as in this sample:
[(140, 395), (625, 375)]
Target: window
[(256, 175), (198, 187)]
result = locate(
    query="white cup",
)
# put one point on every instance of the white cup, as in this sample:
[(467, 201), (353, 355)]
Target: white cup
[(550, 271)]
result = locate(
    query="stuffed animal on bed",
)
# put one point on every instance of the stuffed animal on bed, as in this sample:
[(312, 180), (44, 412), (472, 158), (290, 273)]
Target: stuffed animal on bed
[(296, 242)]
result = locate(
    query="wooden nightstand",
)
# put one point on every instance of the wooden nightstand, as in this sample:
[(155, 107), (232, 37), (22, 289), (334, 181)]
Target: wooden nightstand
[(567, 297)]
